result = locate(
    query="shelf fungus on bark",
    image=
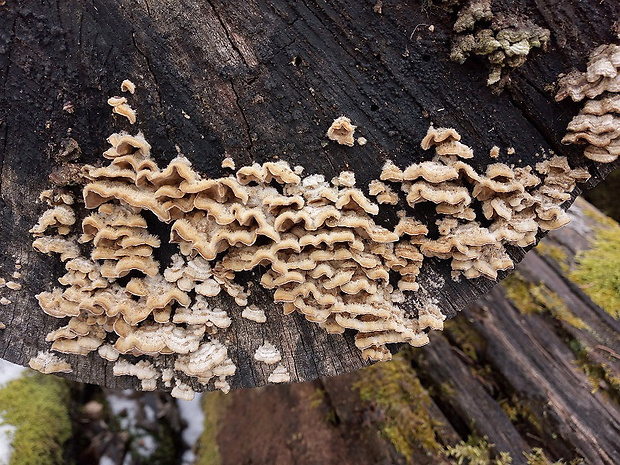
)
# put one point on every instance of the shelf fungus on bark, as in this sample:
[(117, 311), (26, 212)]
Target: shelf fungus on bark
[(121, 107), (316, 242), (280, 374), (341, 131), (597, 126), (253, 313), (128, 86), (267, 353), (47, 362)]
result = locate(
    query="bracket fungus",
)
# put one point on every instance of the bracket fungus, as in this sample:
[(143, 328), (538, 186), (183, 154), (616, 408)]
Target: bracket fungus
[(597, 126), (316, 244), (267, 353), (47, 362), (279, 375), (341, 131)]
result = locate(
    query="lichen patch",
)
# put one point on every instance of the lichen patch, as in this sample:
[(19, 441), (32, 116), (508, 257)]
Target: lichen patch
[(505, 40)]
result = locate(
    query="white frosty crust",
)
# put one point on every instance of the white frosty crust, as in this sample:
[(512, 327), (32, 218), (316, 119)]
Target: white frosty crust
[(47, 362)]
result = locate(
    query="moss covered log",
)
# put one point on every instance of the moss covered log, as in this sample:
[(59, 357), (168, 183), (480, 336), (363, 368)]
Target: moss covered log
[(38, 407)]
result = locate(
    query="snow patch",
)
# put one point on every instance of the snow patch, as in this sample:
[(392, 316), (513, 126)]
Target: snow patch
[(191, 412), (9, 371), (7, 433)]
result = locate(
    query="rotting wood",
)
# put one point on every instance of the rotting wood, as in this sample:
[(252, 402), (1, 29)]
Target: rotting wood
[(229, 87)]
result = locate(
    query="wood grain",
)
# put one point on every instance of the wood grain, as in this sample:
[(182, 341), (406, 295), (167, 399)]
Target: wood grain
[(259, 80)]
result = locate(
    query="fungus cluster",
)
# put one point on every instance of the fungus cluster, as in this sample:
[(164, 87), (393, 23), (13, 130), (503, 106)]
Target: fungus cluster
[(515, 202), (316, 242), (506, 41), (598, 123), (11, 284)]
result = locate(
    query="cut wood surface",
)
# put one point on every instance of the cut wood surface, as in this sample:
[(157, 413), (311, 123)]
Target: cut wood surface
[(258, 80)]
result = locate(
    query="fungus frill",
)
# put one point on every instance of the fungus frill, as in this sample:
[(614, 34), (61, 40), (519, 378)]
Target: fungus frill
[(267, 353), (279, 375), (597, 126), (316, 244), (342, 131), (47, 362), (121, 107)]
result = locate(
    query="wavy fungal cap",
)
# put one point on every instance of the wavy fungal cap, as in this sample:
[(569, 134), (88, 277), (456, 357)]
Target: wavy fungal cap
[(47, 362), (342, 131), (597, 126), (317, 244), (506, 42)]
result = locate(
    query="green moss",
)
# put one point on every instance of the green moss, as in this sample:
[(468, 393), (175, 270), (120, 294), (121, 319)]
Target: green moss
[(520, 414), (318, 400), (554, 252), (600, 375), (599, 217), (447, 389), (530, 298), (537, 457), (394, 388), (598, 270), (38, 406), (477, 451), (214, 405), (462, 334)]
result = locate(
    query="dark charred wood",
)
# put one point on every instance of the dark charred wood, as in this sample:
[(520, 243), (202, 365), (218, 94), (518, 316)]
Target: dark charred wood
[(259, 80)]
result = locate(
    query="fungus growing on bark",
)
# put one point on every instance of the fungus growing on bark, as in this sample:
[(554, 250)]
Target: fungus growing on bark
[(267, 353), (47, 362), (228, 163), (60, 217), (254, 313), (143, 370), (473, 11), (67, 248), (346, 286), (342, 131), (128, 86), (383, 192), (183, 391), (598, 123), (121, 107), (316, 243), (279, 375)]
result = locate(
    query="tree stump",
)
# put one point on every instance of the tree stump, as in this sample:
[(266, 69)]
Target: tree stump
[(258, 80)]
